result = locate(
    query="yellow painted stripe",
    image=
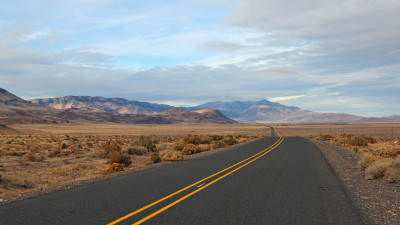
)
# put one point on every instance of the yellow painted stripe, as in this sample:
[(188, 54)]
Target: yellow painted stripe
[(183, 189), (203, 187)]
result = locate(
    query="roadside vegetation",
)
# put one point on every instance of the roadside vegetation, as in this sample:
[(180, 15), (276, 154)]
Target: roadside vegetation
[(34, 162), (380, 155)]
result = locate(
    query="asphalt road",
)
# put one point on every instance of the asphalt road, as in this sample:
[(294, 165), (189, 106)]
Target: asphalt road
[(286, 181)]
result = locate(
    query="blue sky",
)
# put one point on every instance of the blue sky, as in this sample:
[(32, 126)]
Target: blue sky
[(327, 56)]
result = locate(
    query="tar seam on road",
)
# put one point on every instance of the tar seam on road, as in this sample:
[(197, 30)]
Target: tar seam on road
[(249, 159)]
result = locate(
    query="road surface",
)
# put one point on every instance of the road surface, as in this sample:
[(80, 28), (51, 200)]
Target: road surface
[(268, 181)]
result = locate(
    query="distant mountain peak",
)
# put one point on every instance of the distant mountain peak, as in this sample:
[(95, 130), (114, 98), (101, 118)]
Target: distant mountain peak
[(7, 96)]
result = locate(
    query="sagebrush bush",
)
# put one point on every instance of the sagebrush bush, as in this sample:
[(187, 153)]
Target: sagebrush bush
[(155, 158), (377, 169), (110, 147), (229, 140), (179, 145), (387, 152), (366, 160), (35, 157), (118, 157), (148, 142), (170, 155), (191, 149), (358, 141), (115, 167), (218, 144)]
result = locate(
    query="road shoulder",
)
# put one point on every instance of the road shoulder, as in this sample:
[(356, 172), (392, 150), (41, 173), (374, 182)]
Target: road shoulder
[(379, 200)]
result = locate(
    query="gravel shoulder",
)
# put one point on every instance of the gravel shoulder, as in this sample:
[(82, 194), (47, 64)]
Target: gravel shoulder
[(379, 200)]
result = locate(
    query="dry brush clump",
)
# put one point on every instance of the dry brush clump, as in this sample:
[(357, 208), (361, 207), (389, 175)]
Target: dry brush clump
[(171, 155), (380, 155), (31, 162)]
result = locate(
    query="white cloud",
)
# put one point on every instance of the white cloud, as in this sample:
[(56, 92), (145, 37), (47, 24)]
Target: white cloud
[(284, 98)]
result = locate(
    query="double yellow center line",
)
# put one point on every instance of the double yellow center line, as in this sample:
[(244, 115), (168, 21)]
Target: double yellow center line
[(239, 165)]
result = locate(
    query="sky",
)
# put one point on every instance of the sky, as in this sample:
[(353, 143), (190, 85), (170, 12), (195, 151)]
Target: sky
[(339, 56)]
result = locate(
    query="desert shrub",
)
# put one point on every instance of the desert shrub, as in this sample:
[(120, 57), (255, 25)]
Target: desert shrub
[(366, 160), (35, 157), (115, 167), (369, 140), (392, 174), (108, 148), (206, 140), (387, 152), (229, 140), (191, 149), (205, 147), (218, 144), (217, 137), (358, 141), (148, 142), (53, 153), (323, 137), (170, 155), (192, 139), (179, 145), (377, 169), (136, 150), (118, 157), (62, 146), (155, 158), (160, 147), (79, 167)]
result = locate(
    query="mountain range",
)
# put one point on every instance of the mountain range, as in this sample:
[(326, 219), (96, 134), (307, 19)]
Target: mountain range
[(15, 110), (118, 110), (242, 111)]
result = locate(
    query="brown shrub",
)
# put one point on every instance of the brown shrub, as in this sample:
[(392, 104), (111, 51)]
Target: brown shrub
[(191, 149), (108, 148), (118, 157), (35, 157), (206, 140), (229, 140), (387, 152), (377, 169), (79, 167), (115, 167), (358, 141), (366, 160), (205, 147), (155, 158), (392, 175), (53, 153), (148, 142), (324, 137), (179, 145), (218, 144), (62, 146), (170, 155)]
